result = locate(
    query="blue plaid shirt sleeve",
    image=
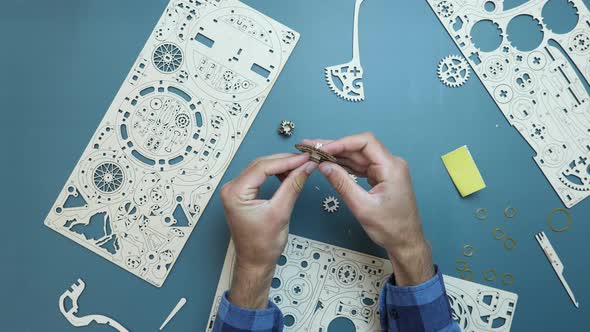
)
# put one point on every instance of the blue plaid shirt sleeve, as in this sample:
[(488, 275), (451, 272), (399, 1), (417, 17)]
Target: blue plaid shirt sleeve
[(231, 318), (418, 308), (403, 309)]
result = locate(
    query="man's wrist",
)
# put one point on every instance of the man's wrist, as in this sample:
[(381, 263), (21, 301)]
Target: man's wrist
[(251, 286), (412, 264)]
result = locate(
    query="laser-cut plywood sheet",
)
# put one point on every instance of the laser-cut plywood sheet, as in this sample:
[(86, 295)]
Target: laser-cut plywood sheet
[(316, 283), (159, 153), (539, 91)]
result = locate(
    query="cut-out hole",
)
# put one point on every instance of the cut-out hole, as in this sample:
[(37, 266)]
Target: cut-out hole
[(368, 301), (68, 305), (143, 158), (341, 324), (475, 58), (181, 218), (487, 299), (289, 320), (124, 134), (489, 6), (525, 33), (201, 38), (180, 93), (560, 16), (176, 160), (574, 179), (282, 260), (74, 201), (112, 245), (199, 118), (97, 227), (581, 78), (260, 70), (486, 35), (458, 24), (146, 91), (276, 283), (498, 322)]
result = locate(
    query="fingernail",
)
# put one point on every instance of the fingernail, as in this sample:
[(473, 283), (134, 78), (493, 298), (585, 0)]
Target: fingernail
[(326, 168), (311, 166)]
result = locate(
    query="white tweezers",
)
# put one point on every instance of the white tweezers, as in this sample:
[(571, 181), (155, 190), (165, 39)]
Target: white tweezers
[(555, 262)]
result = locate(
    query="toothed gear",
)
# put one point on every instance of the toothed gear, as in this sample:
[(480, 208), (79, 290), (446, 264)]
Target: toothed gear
[(445, 9), (453, 71), (286, 128), (581, 42), (351, 81), (576, 175), (331, 204)]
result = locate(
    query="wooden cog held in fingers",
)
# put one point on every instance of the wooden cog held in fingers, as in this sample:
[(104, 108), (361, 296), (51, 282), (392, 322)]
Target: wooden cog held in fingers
[(315, 154)]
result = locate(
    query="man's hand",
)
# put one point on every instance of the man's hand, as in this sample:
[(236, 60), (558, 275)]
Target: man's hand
[(259, 228), (387, 212)]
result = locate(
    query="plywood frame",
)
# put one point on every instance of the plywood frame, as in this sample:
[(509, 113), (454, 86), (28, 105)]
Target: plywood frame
[(173, 128)]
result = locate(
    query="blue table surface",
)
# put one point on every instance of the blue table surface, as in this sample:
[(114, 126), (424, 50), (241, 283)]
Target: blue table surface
[(62, 62)]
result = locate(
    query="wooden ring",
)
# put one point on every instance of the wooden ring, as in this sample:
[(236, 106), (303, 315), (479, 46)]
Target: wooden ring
[(469, 272), (490, 275), (461, 266), (468, 250), (507, 279), (498, 233), (550, 220), (510, 212), (481, 213), (511, 240)]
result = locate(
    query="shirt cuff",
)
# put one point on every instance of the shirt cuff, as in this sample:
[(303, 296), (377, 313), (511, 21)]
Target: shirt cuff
[(229, 315), (424, 307)]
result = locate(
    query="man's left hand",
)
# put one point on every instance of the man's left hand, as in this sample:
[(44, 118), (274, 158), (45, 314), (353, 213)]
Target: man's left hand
[(260, 228)]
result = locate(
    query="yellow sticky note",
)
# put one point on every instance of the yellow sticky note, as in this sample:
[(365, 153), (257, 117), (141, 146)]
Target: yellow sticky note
[(463, 171)]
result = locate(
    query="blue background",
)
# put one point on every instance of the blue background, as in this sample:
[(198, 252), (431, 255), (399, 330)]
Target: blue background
[(62, 61)]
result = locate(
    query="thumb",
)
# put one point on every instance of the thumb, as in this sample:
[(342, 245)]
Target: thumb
[(351, 192), (292, 186)]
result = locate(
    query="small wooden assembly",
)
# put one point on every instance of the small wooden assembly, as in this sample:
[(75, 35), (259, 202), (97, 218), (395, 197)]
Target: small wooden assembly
[(315, 154)]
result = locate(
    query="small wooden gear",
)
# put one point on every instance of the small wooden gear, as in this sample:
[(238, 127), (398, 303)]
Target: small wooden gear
[(315, 154)]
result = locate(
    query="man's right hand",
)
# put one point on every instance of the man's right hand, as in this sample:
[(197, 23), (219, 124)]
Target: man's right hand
[(388, 212)]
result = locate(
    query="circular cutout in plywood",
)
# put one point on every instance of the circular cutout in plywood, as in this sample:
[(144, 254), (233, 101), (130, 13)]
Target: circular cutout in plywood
[(342, 323), (560, 16), (525, 33), (486, 35), (289, 320), (490, 6)]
